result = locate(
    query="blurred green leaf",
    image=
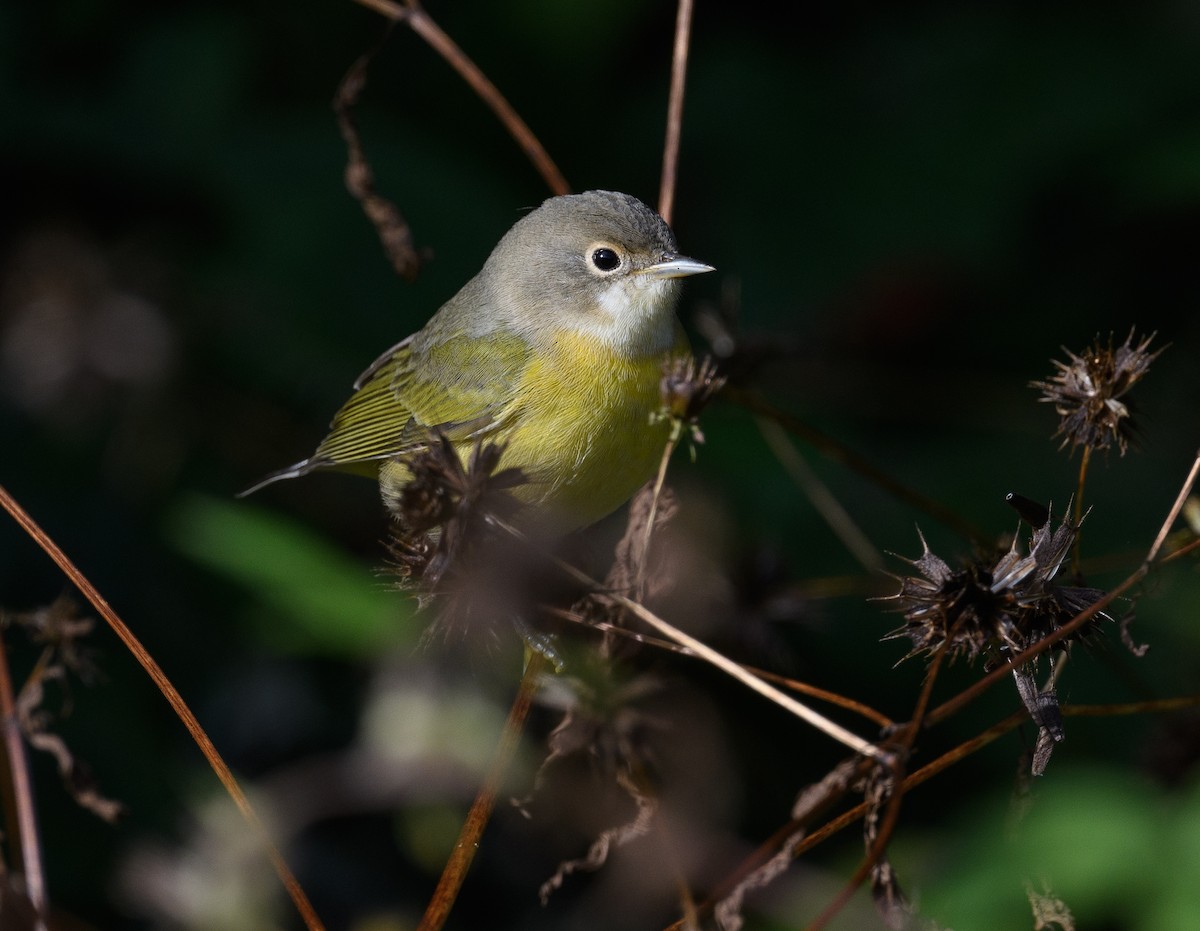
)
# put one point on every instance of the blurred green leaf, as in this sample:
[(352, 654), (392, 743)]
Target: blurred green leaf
[(1110, 845), (328, 602)]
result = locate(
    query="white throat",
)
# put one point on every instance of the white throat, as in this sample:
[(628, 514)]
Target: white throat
[(637, 316)]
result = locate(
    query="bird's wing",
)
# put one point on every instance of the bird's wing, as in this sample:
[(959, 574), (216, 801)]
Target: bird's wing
[(460, 386)]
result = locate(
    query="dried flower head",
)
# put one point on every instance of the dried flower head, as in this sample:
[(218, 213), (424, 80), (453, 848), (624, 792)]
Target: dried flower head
[(992, 607), (442, 544), (686, 390), (603, 714), (1088, 389), (606, 726)]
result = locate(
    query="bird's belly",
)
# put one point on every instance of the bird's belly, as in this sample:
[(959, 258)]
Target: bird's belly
[(583, 430)]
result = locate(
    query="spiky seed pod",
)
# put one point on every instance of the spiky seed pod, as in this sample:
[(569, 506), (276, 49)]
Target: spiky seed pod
[(1089, 389)]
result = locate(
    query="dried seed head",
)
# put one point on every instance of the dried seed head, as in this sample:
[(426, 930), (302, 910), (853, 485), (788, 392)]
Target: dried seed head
[(687, 388), (994, 606), (1088, 391), (442, 544)]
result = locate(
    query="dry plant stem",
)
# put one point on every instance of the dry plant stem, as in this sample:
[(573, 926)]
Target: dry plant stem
[(1180, 501), (299, 899), (999, 729), (1182, 551), (838, 452), (924, 774), (839, 521), (714, 658), (845, 819), (1153, 706), (891, 816), (22, 791), (393, 230), (414, 16), (865, 711), (1002, 672), (670, 169), (833, 698), (455, 870), (726, 665), (1083, 468), (659, 481), (765, 852)]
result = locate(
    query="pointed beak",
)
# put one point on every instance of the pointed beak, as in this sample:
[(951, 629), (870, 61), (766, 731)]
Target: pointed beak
[(676, 266)]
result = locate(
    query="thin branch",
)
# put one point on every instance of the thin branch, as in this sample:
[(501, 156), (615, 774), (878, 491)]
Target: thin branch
[(1180, 500), (924, 774), (455, 870), (22, 790), (795, 685), (891, 816), (711, 656), (394, 232), (1002, 672), (830, 509), (1077, 548), (838, 452), (1182, 551), (184, 713), (683, 31), (412, 14), (660, 478), (1152, 706)]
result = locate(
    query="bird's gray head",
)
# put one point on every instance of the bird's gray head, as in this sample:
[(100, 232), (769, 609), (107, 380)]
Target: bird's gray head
[(599, 262)]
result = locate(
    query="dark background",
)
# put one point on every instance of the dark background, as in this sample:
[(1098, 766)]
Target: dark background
[(920, 206)]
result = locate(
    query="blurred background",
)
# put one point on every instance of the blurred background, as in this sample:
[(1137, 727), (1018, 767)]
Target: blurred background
[(914, 208)]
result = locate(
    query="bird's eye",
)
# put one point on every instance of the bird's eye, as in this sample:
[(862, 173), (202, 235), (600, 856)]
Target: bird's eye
[(605, 259)]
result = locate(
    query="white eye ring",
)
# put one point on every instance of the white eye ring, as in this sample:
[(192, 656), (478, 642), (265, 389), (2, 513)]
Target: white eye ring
[(603, 258)]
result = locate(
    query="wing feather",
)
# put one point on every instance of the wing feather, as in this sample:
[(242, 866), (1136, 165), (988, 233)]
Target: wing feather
[(459, 385)]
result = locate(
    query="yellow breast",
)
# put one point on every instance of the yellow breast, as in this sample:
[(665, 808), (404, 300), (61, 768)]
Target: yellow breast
[(582, 427)]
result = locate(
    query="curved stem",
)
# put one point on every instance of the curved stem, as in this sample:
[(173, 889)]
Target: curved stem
[(455, 871), (22, 790)]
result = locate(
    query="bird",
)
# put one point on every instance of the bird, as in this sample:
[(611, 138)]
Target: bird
[(554, 351)]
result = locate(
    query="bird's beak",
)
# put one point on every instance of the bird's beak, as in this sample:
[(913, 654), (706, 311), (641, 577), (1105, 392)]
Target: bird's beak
[(676, 266)]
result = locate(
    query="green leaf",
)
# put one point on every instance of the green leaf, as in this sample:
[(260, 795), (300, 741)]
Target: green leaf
[(318, 600)]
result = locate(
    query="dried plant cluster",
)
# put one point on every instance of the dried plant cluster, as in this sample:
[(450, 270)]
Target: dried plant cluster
[(995, 606), (1089, 393), (482, 573), (465, 546), (992, 608)]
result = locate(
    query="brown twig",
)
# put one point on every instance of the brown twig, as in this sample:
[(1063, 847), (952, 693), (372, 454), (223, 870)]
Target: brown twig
[(1182, 551), (394, 232), (922, 775), (891, 816), (459, 862), (963, 750), (660, 478), (22, 791), (413, 15), (838, 452), (839, 520), (184, 713), (670, 169), (1076, 549), (795, 685), (711, 656), (1180, 501)]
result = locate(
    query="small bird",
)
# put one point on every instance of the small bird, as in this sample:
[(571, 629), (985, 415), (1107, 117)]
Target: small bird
[(555, 350)]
